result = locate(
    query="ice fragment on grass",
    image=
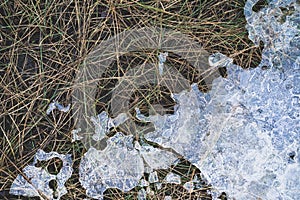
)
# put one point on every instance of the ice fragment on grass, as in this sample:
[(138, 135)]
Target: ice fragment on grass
[(117, 166), (143, 183), (276, 26), (162, 58), (158, 185), (189, 186), (185, 131), (153, 177), (156, 158), (219, 60), (40, 178), (168, 198), (172, 178), (103, 123), (75, 136), (55, 105), (142, 195)]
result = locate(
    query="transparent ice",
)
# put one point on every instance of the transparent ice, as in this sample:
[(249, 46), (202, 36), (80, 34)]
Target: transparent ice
[(156, 158), (103, 123), (143, 183), (168, 198), (117, 166), (40, 178)]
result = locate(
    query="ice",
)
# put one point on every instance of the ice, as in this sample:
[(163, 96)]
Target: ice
[(153, 177), (158, 185), (156, 158), (172, 178), (55, 105), (219, 60), (103, 123), (36, 182), (162, 58), (75, 136), (277, 29), (117, 166), (143, 183), (142, 195), (189, 186), (149, 191), (185, 131), (244, 134)]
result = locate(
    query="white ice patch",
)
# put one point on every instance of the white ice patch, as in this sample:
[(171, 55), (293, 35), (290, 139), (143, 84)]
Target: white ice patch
[(40, 178), (142, 195), (75, 136), (153, 177), (55, 105), (185, 131)]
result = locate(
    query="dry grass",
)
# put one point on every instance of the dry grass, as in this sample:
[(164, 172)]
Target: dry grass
[(42, 46)]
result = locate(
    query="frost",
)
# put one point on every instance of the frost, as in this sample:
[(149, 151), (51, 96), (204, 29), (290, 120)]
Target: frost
[(38, 184), (55, 105), (172, 178), (117, 166)]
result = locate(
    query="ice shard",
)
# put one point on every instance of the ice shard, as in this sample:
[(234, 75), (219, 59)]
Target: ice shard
[(55, 105), (172, 178), (36, 182)]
